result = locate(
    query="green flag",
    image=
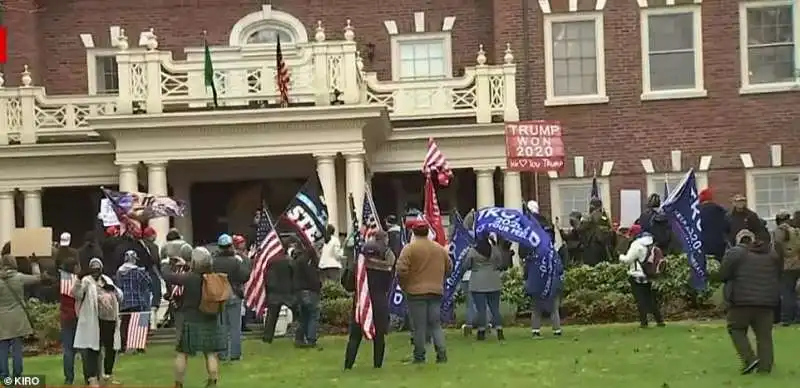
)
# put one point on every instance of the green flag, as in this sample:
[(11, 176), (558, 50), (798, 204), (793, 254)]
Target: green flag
[(208, 71)]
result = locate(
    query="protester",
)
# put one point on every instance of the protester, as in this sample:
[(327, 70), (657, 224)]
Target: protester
[(307, 285), (486, 263), (198, 332), (69, 318), (597, 235), (469, 304), (655, 222), (330, 262), (238, 270), (135, 284), (98, 323), (751, 272), (715, 225), (150, 262), (178, 255), (379, 261), (741, 217), (421, 269), (109, 248), (14, 314), (395, 233), (240, 245), (90, 248), (642, 248), (64, 249), (542, 306), (787, 242), (279, 292)]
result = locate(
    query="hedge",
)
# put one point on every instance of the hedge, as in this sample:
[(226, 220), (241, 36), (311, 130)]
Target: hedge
[(599, 294)]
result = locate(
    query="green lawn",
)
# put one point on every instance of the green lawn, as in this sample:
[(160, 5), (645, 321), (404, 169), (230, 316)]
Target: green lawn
[(683, 355)]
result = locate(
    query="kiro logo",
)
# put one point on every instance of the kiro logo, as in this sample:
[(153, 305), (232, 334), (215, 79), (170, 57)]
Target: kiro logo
[(24, 381)]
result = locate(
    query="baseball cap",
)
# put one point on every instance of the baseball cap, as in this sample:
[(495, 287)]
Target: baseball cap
[(739, 197), (65, 239), (224, 240)]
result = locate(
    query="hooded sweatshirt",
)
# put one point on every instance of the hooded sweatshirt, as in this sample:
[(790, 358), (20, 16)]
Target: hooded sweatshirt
[(637, 254)]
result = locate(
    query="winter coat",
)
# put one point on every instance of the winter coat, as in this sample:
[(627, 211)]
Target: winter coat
[(752, 276), (716, 228), (87, 334), (14, 320)]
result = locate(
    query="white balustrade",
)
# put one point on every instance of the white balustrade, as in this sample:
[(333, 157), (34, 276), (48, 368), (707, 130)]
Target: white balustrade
[(152, 81)]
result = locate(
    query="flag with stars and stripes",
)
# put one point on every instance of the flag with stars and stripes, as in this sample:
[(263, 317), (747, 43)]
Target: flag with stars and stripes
[(266, 248), (435, 162), (66, 283), (369, 226), (138, 327)]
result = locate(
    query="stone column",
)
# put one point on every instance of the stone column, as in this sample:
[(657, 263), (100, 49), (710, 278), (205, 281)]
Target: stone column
[(355, 183), (512, 197), (326, 170), (8, 220), (33, 208), (157, 185), (484, 180), (181, 190), (129, 177)]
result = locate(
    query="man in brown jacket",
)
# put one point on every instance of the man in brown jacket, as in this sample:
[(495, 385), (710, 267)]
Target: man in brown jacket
[(787, 242), (421, 270)]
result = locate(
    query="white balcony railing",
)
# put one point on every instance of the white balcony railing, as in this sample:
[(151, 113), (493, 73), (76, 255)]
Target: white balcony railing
[(152, 81)]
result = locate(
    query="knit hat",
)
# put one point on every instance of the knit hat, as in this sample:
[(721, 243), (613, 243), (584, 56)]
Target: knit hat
[(96, 263), (705, 195)]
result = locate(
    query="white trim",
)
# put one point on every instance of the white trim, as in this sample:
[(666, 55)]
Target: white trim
[(600, 97), (267, 17), (698, 90), (92, 55), (701, 178), (776, 87), (419, 21), (391, 27), (599, 5), (447, 47), (750, 189), (448, 22), (544, 5), (557, 184)]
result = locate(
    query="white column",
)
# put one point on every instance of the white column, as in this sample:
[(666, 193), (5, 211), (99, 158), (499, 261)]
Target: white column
[(33, 208), (157, 185), (129, 177), (355, 182), (326, 169), (484, 180), (8, 220), (512, 198), (181, 190)]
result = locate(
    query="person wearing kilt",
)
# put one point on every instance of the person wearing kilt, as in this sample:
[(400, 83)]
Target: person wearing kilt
[(199, 332)]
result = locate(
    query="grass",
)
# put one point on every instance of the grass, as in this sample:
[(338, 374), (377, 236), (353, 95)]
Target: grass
[(682, 355)]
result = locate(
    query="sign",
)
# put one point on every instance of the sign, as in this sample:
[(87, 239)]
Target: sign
[(26, 242), (107, 213), (534, 146)]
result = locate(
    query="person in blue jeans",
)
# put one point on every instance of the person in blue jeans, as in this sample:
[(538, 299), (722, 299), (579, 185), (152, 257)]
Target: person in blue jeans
[(16, 323), (307, 283), (238, 270), (486, 263)]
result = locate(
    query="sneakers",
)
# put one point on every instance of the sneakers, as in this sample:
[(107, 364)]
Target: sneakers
[(536, 333), (557, 333), (749, 368)]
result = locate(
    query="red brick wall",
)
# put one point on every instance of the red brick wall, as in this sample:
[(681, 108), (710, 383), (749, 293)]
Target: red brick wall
[(624, 130)]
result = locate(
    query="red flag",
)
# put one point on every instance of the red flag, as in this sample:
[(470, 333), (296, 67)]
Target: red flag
[(432, 212), (3, 44)]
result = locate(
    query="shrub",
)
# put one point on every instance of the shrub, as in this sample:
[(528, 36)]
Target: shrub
[(46, 322), (336, 312), (333, 290)]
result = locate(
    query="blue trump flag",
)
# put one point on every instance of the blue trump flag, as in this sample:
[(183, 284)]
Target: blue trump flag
[(458, 246), (683, 209), (397, 301), (513, 225)]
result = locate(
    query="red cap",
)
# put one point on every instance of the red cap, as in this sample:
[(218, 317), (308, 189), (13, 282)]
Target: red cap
[(148, 232), (238, 239), (705, 195), (634, 230), (112, 231), (416, 223)]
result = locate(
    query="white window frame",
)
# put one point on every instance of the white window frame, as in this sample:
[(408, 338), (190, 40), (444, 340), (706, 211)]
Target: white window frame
[(746, 87), (750, 186), (551, 98), (555, 194), (447, 47), (92, 55), (701, 179), (698, 90)]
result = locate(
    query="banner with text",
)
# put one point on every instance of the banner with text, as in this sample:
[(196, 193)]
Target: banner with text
[(534, 146)]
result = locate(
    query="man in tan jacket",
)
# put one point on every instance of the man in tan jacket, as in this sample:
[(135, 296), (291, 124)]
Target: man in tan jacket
[(421, 270)]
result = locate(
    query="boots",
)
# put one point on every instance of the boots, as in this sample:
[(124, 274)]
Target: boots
[(500, 335), (481, 334)]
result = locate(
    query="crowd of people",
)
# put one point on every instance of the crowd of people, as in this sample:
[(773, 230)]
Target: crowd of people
[(103, 282)]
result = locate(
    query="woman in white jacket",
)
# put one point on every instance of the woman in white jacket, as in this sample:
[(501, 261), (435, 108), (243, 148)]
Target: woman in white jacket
[(330, 261), (643, 292), (97, 302)]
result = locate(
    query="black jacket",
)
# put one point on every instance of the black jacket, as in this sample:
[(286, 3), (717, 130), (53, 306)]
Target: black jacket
[(278, 282), (306, 273), (752, 276), (716, 228), (238, 271), (746, 219)]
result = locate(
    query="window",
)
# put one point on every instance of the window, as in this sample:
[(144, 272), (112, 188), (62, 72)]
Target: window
[(770, 191), (672, 53), (655, 182), (103, 71), (568, 195), (574, 59), (269, 35), (767, 45), (418, 57)]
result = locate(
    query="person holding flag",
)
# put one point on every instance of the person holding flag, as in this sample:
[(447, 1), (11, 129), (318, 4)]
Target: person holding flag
[(68, 276)]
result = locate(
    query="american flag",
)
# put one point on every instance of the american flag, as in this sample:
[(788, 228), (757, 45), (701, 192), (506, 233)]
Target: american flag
[(435, 162), (177, 290), (138, 327), (67, 282), (369, 226), (266, 248), (433, 214), (282, 75)]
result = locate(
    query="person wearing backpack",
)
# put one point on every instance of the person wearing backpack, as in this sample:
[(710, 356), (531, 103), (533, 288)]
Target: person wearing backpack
[(237, 270), (645, 262), (199, 330), (787, 242)]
